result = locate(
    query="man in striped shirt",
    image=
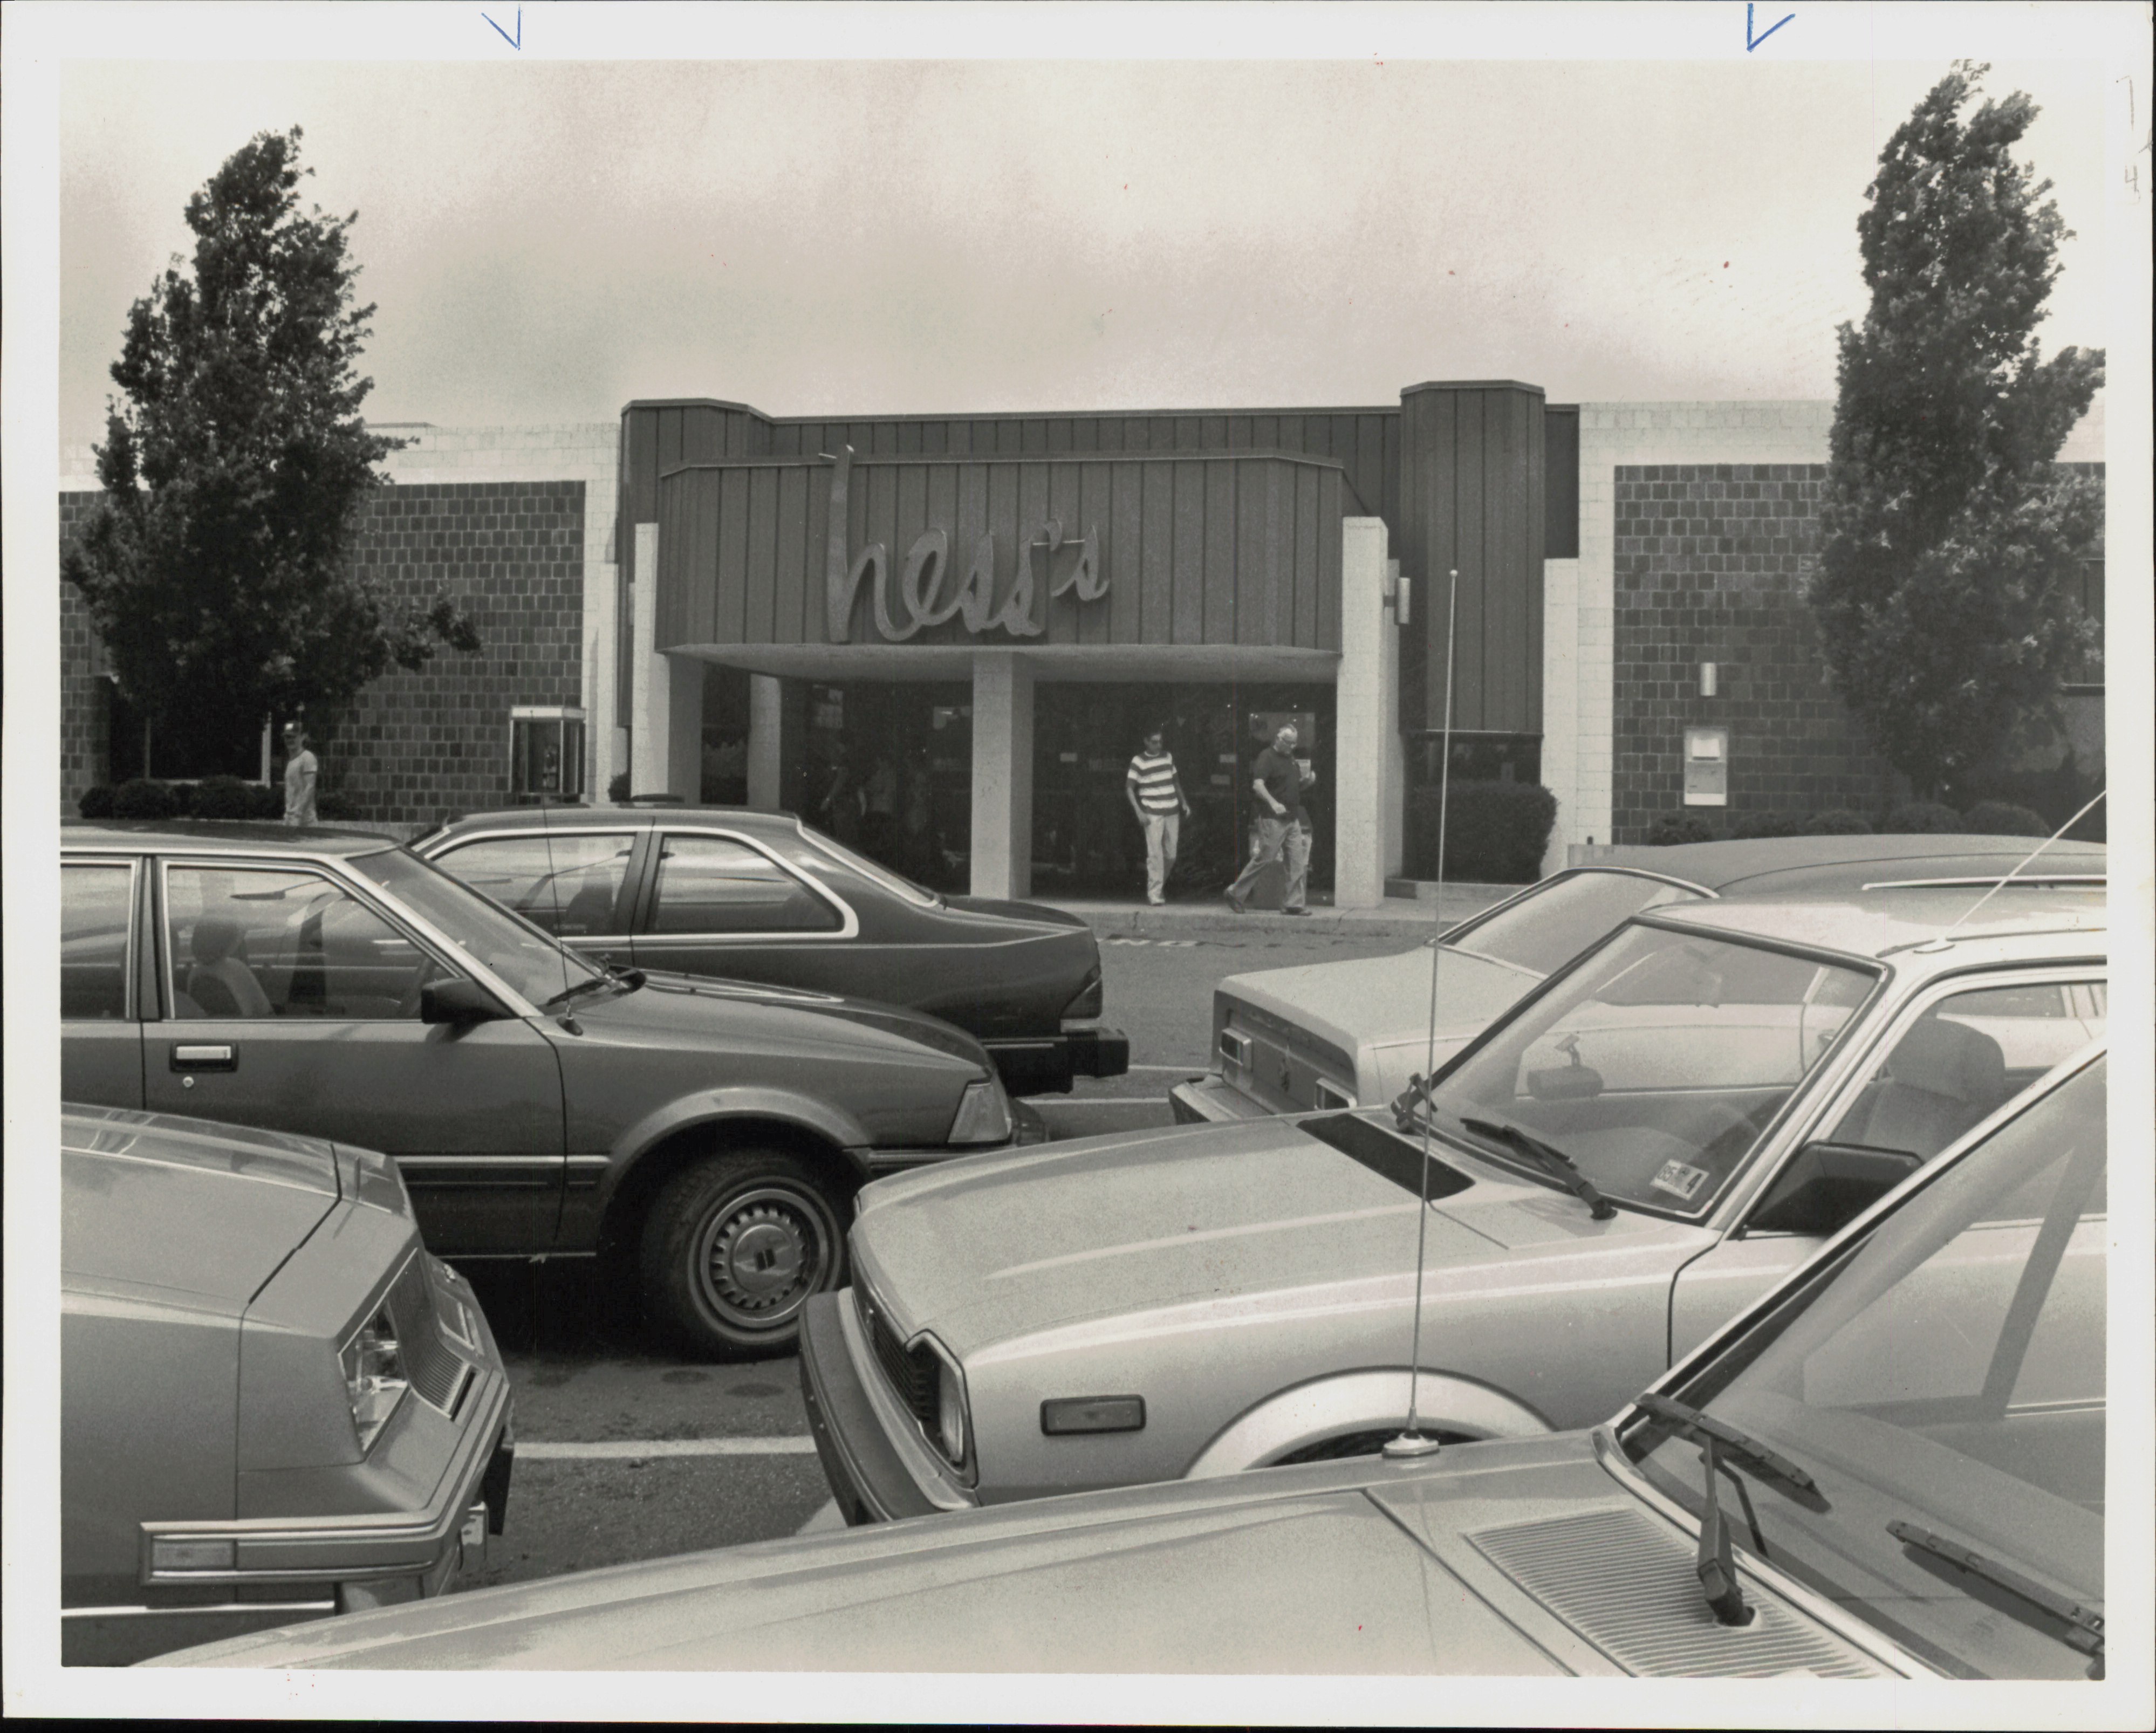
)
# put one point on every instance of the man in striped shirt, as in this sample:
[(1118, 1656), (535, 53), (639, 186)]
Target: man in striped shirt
[(1156, 795)]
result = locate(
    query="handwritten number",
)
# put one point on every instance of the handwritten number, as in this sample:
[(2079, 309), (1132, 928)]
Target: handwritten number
[(1752, 42), (517, 41)]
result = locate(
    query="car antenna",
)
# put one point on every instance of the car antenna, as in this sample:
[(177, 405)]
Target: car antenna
[(1941, 942), (1414, 1442)]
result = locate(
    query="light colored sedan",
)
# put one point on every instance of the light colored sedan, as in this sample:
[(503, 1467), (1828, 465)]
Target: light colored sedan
[(1892, 1468), (1654, 1138), (1350, 1034), (275, 1404)]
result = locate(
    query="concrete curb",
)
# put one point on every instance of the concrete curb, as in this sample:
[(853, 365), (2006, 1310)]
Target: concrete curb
[(1398, 917)]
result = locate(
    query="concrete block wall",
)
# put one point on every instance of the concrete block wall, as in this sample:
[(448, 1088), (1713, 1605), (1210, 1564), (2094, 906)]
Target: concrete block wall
[(419, 746), (1580, 607), (1711, 566)]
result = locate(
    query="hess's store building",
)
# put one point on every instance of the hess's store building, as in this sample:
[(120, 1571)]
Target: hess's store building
[(942, 637)]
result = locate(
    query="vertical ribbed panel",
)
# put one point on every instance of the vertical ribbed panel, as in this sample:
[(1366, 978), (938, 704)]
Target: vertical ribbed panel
[(1625, 1583)]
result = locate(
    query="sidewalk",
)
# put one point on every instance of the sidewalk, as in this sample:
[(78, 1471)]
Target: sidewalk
[(1398, 917)]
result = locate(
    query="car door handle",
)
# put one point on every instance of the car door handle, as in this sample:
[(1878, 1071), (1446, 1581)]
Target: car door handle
[(205, 1056)]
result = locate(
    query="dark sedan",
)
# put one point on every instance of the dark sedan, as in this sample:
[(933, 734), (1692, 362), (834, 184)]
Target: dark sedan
[(537, 1103), (759, 896)]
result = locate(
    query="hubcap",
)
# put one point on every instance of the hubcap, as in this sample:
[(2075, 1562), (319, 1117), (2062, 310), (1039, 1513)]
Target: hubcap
[(761, 1257)]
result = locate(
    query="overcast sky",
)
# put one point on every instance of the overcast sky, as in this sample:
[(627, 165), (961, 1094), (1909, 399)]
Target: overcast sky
[(545, 241)]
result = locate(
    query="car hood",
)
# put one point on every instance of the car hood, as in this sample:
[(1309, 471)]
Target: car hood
[(678, 1004), (1013, 1255), (156, 1201), (1322, 1569), (1378, 1009)]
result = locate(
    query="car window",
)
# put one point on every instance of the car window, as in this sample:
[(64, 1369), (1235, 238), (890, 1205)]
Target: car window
[(1943, 1378), (714, 885), (1965, 1058), (569, 885), (96, 904), (896, 884), (531, 959), (1656, 1063), (249, 943), (1551, 926)]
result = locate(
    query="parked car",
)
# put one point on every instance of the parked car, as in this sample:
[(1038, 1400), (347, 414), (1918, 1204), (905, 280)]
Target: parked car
[(1655, 1136), (274, 1405), (1353, 1033), (1891, 1467), (536, 1101), (759, 896)]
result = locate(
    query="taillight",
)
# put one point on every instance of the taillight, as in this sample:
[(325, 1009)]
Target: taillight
[(1090, 997)]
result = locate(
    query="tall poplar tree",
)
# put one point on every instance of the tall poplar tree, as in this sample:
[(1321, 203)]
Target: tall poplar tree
[(236, 467), (1949, 541)]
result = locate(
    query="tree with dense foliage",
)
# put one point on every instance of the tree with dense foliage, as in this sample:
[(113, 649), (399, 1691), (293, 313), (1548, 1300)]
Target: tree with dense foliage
[(217, 565), (1949, 540)]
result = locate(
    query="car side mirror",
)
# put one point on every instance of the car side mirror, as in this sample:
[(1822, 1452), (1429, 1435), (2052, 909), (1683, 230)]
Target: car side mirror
[(1828, 1185), (456, 1000)]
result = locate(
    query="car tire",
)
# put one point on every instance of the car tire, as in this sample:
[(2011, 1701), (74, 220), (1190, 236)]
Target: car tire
[(733, 1248)]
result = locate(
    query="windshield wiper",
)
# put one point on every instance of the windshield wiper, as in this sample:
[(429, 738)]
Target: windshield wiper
[(2084, 1629), (582, 987), (1554, 1162), (1698, 1424)]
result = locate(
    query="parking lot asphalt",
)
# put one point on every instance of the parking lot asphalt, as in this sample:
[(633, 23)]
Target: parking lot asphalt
[(627, 1451)]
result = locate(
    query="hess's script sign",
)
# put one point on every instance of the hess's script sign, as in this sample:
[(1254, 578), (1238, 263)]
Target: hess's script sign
[(923, 579)]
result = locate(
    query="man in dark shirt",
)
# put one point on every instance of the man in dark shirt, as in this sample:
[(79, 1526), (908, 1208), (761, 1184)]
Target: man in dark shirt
[(1278, 780)]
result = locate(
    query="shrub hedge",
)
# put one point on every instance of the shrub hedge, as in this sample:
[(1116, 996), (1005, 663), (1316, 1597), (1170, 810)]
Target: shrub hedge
[(2003, 818), (229, 797), (1495, 832), (1680, 827), (1924, 818), (1840, 822), (146, 798), (95, 801), (1748, 825)]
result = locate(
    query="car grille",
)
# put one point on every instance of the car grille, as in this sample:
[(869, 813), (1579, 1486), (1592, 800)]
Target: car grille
[(437, 1371), (912, 1376)]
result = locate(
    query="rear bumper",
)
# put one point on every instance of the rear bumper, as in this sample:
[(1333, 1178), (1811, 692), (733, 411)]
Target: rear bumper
[(1046, 1064), (1209, 1101), (869, 1478)]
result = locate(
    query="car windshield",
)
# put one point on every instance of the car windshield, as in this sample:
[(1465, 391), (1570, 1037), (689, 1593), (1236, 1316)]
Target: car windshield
[(522, 955), (895, 883), (1656, 1064), (1942, 1383), (1554, 922)]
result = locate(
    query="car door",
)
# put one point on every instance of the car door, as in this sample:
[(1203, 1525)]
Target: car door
[(1955, 1056), (577, 883), (101, 1022), (290, 1000), (717, 904)]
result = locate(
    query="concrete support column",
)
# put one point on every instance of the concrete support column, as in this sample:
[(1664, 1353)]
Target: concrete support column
[(601, 656), (1561, 720), (685, 726), (648, 709), (1395, 808), (767, 729), (1003, 774), (1368, 727)]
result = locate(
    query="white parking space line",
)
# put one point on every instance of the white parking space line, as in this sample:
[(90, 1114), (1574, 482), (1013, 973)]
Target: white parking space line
[(637, 1449), (1113, 1102)]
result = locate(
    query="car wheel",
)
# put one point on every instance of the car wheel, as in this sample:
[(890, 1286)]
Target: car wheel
[(735, 1246)]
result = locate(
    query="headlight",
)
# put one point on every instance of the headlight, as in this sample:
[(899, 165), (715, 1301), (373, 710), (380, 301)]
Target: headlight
[(985, 1115), (951, 1413), (374, 1380)]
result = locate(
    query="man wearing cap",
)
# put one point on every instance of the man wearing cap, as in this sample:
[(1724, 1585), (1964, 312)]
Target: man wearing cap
[(1155, 793), (301, 770), (1278, 780)]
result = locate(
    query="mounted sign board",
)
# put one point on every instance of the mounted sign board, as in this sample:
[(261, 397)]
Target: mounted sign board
[(1706, 767)]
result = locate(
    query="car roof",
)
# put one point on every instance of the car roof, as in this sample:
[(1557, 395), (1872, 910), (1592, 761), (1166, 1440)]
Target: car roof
[(1877, 923), (1817, 862), (538, 818), (158, 835)]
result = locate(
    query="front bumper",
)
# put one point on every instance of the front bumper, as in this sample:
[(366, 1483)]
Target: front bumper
[(1046, 1064), (869, 1474), (1211, 1101)]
